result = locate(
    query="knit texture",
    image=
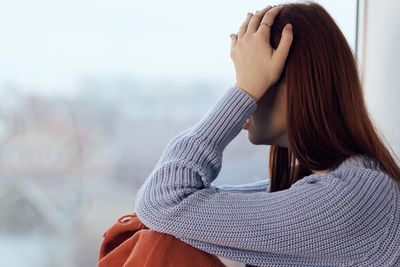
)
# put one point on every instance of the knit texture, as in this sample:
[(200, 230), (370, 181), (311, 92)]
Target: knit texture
[(347, 217)]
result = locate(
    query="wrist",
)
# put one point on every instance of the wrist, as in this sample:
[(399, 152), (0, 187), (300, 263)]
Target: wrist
[(247, 91)]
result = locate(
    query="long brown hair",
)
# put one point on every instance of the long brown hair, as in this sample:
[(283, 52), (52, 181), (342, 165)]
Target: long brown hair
[(327, 120)]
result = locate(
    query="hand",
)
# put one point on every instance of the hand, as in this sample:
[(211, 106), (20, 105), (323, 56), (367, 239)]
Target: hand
[(257, 64)]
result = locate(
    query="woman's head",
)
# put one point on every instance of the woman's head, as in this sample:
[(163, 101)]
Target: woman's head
[(317, 106)]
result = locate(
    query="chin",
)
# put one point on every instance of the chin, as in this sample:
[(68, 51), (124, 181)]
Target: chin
[(254, 140), (262, 140)]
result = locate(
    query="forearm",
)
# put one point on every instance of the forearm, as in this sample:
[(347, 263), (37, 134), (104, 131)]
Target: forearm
[(203, 144)]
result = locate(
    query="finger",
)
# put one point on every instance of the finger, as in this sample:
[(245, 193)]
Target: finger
[(255, 20), (282, 51), (243, 28), (233, 40), (269, 18)]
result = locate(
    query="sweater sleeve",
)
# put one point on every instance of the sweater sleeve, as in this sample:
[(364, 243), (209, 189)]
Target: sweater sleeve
[(319, 217)]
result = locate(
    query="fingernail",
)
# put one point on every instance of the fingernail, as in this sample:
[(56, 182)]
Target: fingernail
[(248, 14), (289, 27)]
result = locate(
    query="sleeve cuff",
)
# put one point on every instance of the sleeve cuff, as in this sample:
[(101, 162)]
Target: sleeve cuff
[(225, 120)]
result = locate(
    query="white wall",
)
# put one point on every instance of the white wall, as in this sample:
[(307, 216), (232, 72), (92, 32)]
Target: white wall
[(380, 65)]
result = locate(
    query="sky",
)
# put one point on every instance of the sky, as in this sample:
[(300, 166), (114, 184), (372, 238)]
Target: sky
[(49, 46)]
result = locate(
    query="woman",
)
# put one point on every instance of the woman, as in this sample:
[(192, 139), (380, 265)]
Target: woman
[(334, 190)]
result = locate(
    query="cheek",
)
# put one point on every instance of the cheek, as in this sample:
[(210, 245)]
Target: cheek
[(278, 113), (279, 119), (266, 125), (275, 128)]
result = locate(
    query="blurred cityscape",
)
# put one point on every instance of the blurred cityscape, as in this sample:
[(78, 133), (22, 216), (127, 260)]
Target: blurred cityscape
[(71, 166)]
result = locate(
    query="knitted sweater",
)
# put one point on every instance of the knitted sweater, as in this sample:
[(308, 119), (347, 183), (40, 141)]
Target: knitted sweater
[(349, 216)]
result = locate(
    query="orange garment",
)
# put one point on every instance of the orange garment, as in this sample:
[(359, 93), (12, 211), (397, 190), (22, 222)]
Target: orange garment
[(130, 243)]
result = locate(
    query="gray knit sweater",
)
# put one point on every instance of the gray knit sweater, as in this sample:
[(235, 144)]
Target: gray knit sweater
[(347, 217)]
